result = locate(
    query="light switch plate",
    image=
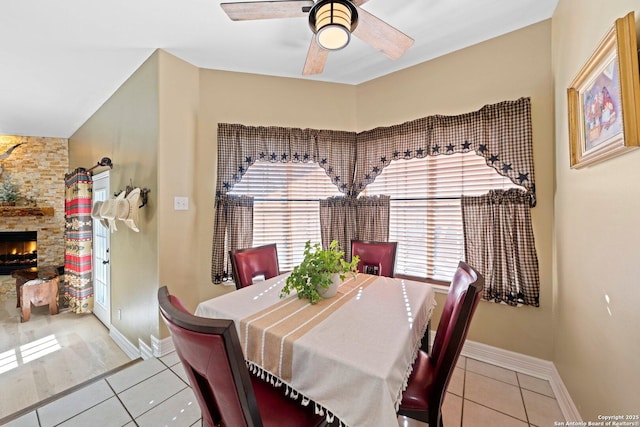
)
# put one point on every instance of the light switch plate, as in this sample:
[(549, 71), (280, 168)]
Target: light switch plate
[(181, 203)]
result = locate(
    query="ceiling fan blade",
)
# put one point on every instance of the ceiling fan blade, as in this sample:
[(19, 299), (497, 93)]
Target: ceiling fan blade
[(380, 35), (316, 58), (244, 11), (359, 2)]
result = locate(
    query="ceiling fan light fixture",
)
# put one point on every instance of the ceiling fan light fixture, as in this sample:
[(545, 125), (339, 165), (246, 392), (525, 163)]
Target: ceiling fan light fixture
[(333, 21)]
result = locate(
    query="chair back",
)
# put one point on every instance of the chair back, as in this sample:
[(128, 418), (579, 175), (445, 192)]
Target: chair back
[(212, 358), (462, 299), (251, 262), (377, 258)]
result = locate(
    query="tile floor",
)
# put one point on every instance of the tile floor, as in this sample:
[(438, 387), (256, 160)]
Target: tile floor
[(482, 395), (49, 354), (155, 392)]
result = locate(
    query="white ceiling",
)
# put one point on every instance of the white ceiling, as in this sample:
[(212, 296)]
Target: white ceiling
[(61, 60)]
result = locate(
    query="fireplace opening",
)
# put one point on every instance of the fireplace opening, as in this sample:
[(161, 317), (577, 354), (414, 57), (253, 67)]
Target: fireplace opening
[(18, 249)]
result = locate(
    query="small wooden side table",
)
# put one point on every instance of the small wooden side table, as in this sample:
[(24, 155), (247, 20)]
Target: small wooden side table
[(43, 293)]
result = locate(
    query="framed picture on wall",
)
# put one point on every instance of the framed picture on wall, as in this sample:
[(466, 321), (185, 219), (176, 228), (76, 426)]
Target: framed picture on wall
[(604, 99)]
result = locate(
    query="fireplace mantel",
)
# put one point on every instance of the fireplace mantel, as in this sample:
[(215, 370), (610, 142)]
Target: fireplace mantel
[(26, 211)]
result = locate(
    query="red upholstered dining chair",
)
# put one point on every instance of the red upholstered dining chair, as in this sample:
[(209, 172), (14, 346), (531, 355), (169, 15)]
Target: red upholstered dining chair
[(377, 258), (227, 394), (422, 399), (251, 262)]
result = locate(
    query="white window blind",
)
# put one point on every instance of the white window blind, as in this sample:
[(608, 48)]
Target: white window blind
[(425, 216), (286, 205)]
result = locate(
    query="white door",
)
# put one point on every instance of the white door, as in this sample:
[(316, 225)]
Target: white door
[(101, 266)]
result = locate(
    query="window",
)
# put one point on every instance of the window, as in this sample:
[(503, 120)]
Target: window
[(425, 217), (286, 205)]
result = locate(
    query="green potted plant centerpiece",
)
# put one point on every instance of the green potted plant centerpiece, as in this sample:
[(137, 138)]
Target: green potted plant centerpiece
[(9, 191), (320, 273)]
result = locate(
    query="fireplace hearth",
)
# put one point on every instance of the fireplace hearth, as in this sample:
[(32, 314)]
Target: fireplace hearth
[(18, 249)]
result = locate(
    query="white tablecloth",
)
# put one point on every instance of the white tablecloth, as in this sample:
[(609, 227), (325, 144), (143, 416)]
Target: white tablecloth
[(355, 362)]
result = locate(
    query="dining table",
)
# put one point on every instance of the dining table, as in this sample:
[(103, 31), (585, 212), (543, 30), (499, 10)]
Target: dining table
[(350, 355)]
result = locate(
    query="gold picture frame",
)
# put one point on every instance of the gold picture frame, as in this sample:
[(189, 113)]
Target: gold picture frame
[(604, 99)]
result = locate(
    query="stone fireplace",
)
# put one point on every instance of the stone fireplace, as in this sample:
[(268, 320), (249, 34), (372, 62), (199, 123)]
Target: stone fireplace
[(38, 166)]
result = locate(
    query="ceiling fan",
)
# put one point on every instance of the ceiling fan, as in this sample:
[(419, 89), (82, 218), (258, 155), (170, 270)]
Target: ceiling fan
[(332, 22)]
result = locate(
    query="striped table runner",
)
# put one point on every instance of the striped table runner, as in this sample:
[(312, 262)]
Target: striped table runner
[(267, 337)]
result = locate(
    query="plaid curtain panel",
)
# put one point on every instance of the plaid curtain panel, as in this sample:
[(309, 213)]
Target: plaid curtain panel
[(499, 243), (338, 222), (233, 230), (347, 218), (372, 218)]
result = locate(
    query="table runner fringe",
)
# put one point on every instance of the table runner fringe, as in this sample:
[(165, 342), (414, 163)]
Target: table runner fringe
[(290, 391)]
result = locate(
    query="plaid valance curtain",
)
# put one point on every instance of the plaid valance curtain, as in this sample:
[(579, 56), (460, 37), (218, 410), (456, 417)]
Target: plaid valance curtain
[(501, 133), (499, 243), (241, 146)]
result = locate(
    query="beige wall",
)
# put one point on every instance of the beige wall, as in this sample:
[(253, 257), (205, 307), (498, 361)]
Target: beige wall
[(125, 129), (496, 70), (597, 345), (177, 176)]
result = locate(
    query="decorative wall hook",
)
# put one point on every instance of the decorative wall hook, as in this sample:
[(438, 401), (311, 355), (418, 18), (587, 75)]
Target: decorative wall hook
[(143, 196), (143, 193)]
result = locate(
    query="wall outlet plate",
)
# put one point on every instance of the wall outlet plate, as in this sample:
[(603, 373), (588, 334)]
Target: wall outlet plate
[(181, 203)]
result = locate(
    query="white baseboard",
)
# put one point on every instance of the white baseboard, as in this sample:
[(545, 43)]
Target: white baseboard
[(158, 348), (145, 351), (162, 347), (528, 365), (130, 350), (569, 409)]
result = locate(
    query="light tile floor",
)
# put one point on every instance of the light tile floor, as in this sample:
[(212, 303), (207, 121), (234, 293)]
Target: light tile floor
[(49, 354), (155, 392)]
